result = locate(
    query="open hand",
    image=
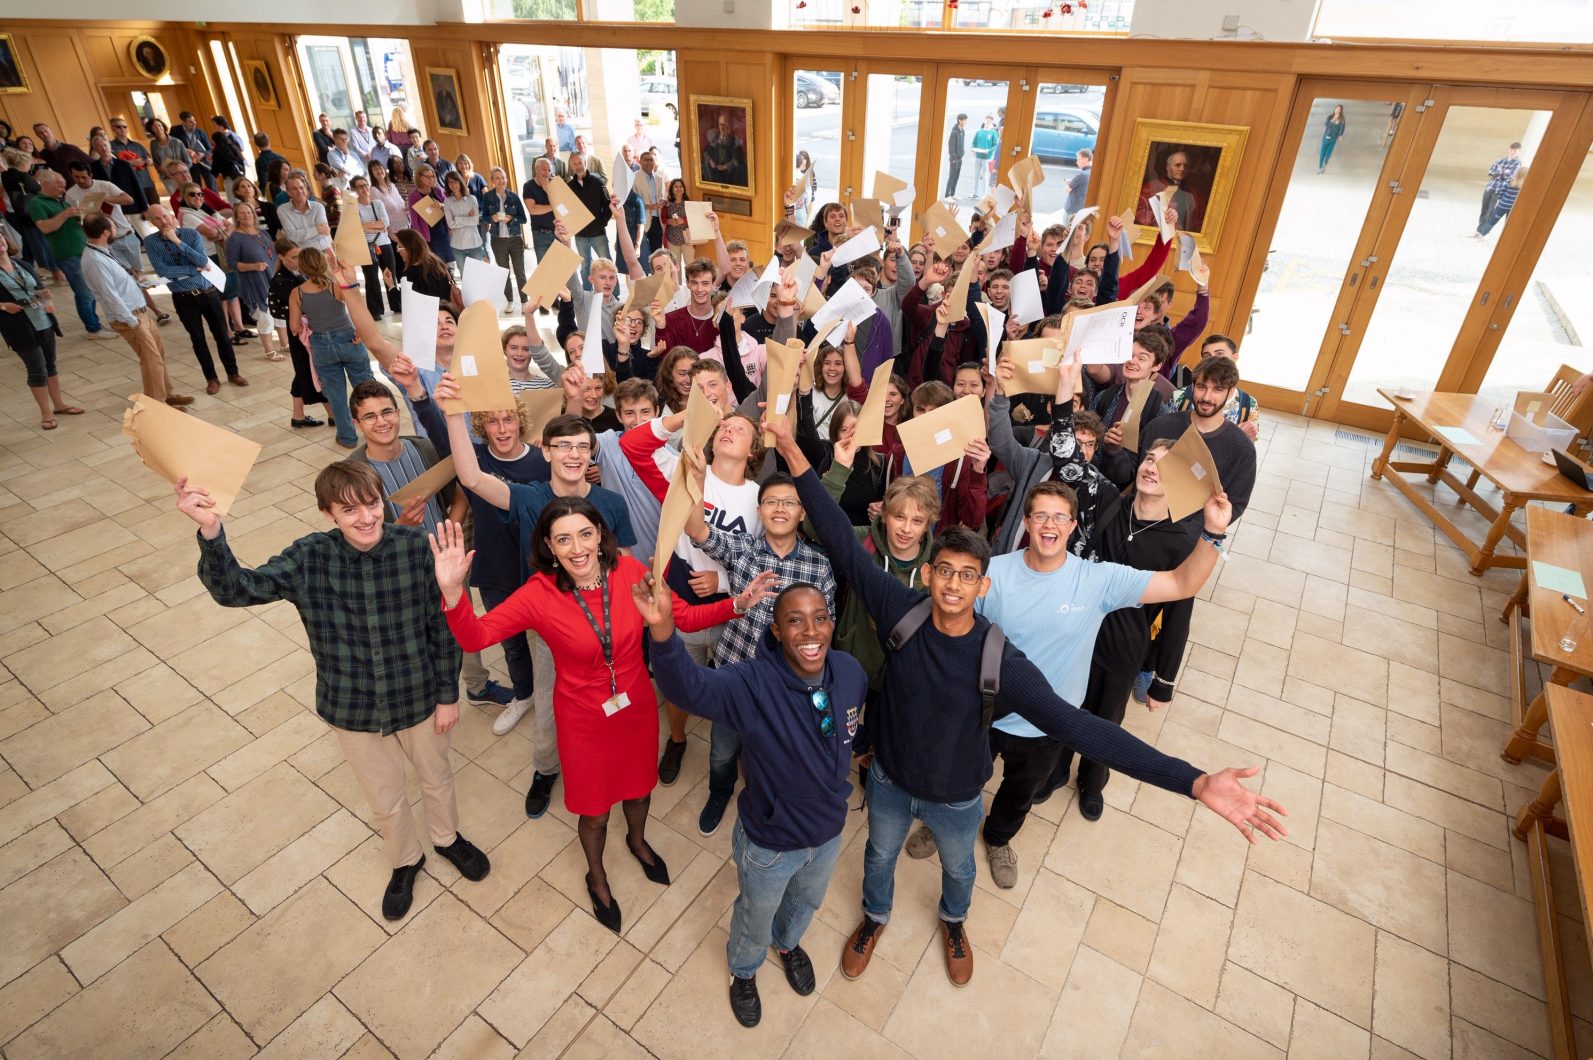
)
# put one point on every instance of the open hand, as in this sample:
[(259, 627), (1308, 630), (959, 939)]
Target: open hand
[(450, 560), (1246, 810), (761, 588)]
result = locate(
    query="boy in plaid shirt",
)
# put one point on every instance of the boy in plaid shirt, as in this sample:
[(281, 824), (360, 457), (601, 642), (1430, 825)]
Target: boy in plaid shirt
[(779, 548)]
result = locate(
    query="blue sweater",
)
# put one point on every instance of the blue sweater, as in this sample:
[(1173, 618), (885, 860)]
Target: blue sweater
[(927, 727), (798, 779)]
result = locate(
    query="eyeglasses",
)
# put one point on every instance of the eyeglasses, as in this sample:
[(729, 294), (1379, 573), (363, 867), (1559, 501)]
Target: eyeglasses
[(1051, 518), (782, 503), (385, 414), (571, 447), (820, 699), (964, 575)]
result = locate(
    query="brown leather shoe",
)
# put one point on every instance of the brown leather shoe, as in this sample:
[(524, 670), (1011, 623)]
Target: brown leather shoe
[(179, 399), (959, 954), (860, 947), (213, 386), (237, 380)]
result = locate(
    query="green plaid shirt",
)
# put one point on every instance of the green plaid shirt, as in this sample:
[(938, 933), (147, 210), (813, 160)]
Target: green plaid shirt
[(384, 657)]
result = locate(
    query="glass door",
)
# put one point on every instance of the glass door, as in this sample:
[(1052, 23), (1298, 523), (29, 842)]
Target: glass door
[(1063, 115), (971, 133), (820, 151)]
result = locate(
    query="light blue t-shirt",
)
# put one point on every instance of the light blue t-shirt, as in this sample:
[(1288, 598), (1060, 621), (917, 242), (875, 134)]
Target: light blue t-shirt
[(1053, 618)]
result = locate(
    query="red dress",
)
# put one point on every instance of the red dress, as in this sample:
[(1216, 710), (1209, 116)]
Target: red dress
[(605, 759)]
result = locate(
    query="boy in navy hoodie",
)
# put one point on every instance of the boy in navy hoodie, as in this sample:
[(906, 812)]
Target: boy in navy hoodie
[(796, 706)]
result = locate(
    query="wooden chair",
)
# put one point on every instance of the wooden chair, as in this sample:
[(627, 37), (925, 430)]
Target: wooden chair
[(1575, 409)]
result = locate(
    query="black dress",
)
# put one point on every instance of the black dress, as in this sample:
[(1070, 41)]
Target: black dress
[(283, 281)]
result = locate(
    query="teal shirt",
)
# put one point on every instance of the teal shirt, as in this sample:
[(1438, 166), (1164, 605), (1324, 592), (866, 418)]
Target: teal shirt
[(67, 241), (985, 142)]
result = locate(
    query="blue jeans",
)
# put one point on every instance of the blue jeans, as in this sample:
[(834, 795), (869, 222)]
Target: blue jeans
[(724, 745), (541, 240), (73, 267), (780, 892), (891, 812), (461, 253), (590, 247), (339, 355)]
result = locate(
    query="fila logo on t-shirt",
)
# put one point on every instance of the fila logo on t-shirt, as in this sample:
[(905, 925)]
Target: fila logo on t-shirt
[(718, 517)]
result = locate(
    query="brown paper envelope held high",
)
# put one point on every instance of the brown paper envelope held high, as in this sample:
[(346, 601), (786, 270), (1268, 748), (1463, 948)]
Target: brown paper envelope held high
[(867, 214), (568, 209), (541, 406), (698, 228), (175, 445), (1144, 290), (552, 272), (702, 416), (886, 186), (429, 209), (780, 375), (870, 429), (814, 301), (1025, 175), (937, 438), (478, 363), (1138, 395), (1034, 365), (793, 194), (426, 483), (649, 289), (349, 242), (1189, 475), (957, 297), (1534, 405), (791, 234), (942, 230)]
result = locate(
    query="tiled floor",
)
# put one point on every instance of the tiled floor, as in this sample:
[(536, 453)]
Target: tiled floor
[(185, 867)]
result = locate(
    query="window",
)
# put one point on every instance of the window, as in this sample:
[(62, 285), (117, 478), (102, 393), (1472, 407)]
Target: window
[(373, 74), (901, 14), (582, 10), (1098, 16), (1559, 21)]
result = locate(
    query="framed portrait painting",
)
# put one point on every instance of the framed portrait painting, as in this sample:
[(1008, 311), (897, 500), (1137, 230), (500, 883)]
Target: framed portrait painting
[(149, 57), (13, 78), (259, 77), (719, 138), (1189, 165), (446, 105)]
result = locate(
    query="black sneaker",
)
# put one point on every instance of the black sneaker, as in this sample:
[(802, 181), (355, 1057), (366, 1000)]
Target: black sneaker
[(401, 890), (540, 794), (471, 862), (669, 764), (1090, 806), (491, 692), (744, 1001), (713, 812), (798, 970)]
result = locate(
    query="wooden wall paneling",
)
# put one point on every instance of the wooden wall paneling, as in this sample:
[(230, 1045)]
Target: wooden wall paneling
[(464, 59), (732, 74), (287, 139)]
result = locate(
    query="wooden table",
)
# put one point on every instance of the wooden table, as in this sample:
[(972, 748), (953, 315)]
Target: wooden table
[(1570, 784), (1520, 476), (1565, 541)]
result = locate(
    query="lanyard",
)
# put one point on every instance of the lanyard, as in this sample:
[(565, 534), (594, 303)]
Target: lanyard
[(605, 637)]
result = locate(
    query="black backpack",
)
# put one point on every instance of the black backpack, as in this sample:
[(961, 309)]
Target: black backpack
[(989, 655)]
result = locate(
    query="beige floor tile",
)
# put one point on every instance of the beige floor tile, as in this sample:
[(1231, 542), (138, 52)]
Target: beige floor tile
[(1131, 863), (317, 850), (474, 1039), (1165, 1024), (1121, 934), (1473, 664), (1410, 1005), (1402, 830), (640, 990), (50, 663), (1261, 1007), (31, 996), (27, 812), (1262, 665), (327, 1029), (59, 744), (1305, 946), (163, 757), (561, 1029), (1335, 666), (532, 992), (1404, 894), (27, 852), (1494, 933), (1320, 1035), (1451, 811), (1048, 929), (248, 826), (1092, 1017), (208, 928), (256, 756), (602, 1040), (145, 1007), (1393, 638), (51, 906), (158, 693), (220, 1039), (1271, 743), (1499, 1009), (106, 945), (1441, 773), (1191, 946)]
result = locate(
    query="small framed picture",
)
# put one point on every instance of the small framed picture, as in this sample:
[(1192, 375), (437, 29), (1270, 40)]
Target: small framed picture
[(720, 137), (446, 107), (12, 77), (149, 57), (259, 77)]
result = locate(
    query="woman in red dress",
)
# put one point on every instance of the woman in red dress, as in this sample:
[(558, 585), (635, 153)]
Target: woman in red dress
[(603, 703)]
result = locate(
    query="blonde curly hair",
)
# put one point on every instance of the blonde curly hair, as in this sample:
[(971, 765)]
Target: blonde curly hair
[(478, 421)]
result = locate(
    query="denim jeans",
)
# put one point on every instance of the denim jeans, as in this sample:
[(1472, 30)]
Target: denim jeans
[(477, 252), (591, 247), (541, 240), (339, 356), (891, 812), (73, 267), (780, 892)]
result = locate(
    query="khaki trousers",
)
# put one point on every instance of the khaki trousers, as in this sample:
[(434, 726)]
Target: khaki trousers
[(544, 734), (378, 763), (146, 343)]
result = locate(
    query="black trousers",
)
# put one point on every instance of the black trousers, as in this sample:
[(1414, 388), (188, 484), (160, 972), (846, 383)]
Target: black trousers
[(1027, 763), (382, 257), (1106, 698), (953, 176), (197, 309)]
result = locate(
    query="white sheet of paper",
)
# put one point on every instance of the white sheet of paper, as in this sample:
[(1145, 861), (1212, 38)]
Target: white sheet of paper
[(1158, 212), (995, 328), (482, 281), (765, 285), (1125, 250), (903, 199), (1027, 306), (861, 245), (805, 268), (782, 403), (1003, 197), (592, 362), (1102, 337), (1159, 209), (420, 327), (217, 278), (621, 171), (1186, 251), (1074, 222), (741, 295), (851, 303), (1002, 236)]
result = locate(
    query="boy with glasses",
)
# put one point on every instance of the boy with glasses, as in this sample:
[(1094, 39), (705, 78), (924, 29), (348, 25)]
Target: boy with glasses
[(398, 458)]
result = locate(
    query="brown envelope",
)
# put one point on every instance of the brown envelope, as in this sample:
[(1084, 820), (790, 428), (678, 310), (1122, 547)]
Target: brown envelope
[(870, 429), (1189, 475), (1034, 365), (942, 229), (793, 194), (791, 234), (349, 242), (1025, 175), (1534, 405), (552, 272), (937, 438), (649, 289), (429, 209), (957, 297), (702, 416), (91, 201), (426, 483), (698, 228), (478, 363), (780, 378), (814, 301), (541, 406), (1143, 292), (1139, 393), (174, 444), (886, 186), (867, 214), (568, 209)]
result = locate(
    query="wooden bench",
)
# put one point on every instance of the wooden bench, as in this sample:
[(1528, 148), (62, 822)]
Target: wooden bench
[(1570, 786)]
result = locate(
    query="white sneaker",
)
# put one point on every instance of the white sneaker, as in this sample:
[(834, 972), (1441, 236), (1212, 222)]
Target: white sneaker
[(512, 309), (511, 716)]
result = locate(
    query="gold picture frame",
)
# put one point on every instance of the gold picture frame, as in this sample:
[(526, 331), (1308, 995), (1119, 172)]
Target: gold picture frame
[(447, 106), (727, 170), (1204, 179), (13, 78), (149, 57), (258, 76)]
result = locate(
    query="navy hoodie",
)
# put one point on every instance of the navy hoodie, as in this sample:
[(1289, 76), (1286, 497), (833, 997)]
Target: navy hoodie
[(798, 779)]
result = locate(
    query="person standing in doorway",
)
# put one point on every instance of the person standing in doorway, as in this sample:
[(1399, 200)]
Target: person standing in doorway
[(1332, 129), (985, 142), (956, 147), (1079, 183), (1499, 175)]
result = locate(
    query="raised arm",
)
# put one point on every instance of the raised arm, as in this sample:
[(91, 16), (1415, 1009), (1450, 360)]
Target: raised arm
[(379, 345), (467, 469), (627, 246), (1186, 579), (230, 583)]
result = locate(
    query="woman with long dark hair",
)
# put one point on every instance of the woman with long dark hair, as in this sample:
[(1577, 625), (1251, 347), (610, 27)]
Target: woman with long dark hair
[(425, 271)]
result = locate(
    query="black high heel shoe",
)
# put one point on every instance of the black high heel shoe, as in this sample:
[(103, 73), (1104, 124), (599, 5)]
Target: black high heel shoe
[(607, 915), (658, 872)]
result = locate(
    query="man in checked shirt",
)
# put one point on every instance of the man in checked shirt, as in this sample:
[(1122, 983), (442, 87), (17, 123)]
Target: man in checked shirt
[(386, 666), (779, 548)]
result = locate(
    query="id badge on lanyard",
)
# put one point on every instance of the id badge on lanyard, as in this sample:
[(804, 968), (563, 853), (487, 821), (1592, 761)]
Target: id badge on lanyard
[(617, 700)]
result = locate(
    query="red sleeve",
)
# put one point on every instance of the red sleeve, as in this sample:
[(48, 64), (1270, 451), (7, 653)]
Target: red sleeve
[(639, 444), (1128, 284), (520, 612), (1020, 254), (858, 393), (691, 618), (913, 306), (965, 503), (666, 334)]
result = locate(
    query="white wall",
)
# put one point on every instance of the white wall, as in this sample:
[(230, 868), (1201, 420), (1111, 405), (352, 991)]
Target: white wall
[(1273, 20), (748, 14)]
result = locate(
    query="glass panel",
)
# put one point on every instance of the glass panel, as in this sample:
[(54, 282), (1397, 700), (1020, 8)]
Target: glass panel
[(1432, 279), (225, 73), (970, 142), (151, 105), (890, 130), (393, 73), (522, 89), (1553, 325), (539, 9), (1569, 21), (816, 122), (324, 63), (899, 13), (1067, 118), (1304, 271), (1111, 16)]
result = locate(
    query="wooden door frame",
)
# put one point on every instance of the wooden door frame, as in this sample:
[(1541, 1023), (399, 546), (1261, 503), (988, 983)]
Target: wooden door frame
[(1033, 77), (925, 71), (941, 78)]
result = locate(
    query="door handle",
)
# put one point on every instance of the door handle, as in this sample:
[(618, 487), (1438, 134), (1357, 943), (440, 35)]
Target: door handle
[(1355, 278), (1373, 285)]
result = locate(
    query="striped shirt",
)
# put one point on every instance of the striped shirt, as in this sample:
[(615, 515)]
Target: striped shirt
[(399, 472)]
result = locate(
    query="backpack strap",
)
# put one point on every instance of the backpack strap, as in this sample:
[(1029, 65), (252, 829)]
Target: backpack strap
[(909, 624), (990, 671)]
